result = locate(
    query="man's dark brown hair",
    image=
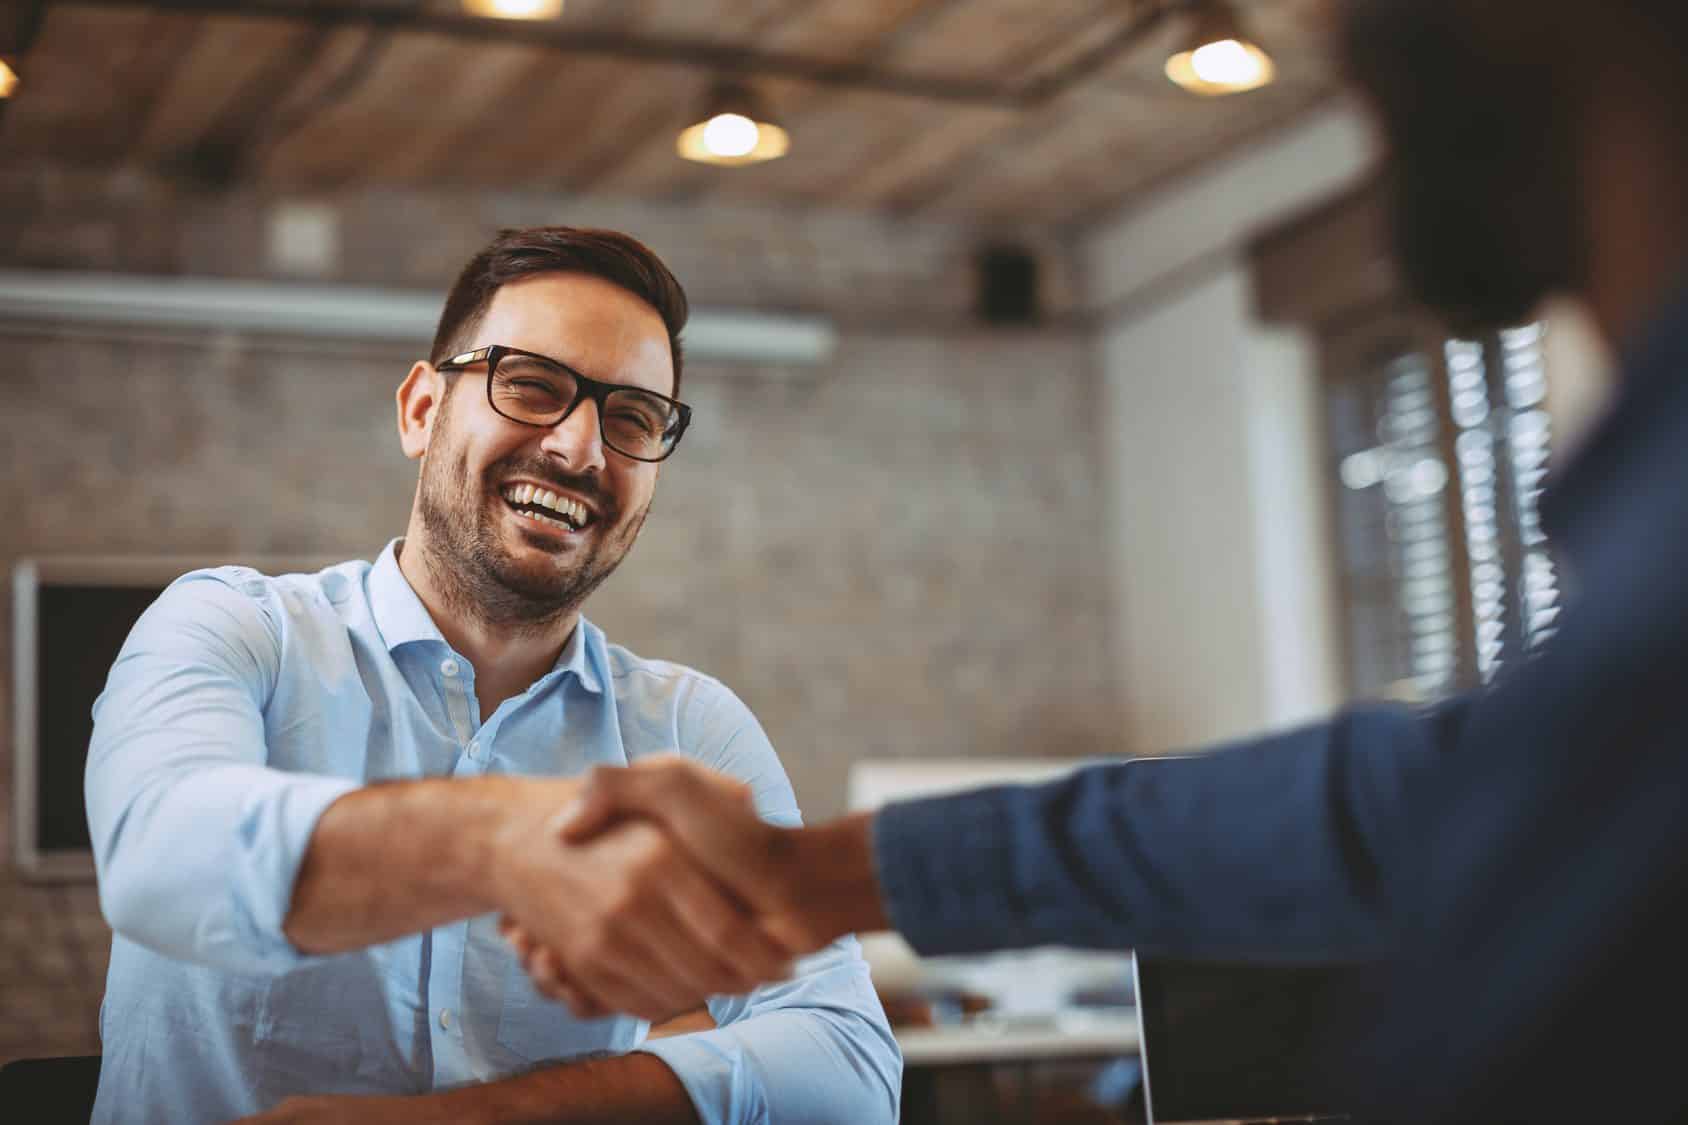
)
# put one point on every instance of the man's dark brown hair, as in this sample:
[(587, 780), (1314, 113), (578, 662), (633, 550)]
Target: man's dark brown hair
[(526, 251)]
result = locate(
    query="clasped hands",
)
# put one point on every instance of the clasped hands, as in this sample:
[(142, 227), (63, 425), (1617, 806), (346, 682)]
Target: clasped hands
[(656, 888)]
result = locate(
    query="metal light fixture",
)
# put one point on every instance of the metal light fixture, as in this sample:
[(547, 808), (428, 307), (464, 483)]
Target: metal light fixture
[(8, 79), (734, 130), (1218, 57), (515, 9)]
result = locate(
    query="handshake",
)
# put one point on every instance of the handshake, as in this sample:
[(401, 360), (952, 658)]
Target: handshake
[(675, 890)]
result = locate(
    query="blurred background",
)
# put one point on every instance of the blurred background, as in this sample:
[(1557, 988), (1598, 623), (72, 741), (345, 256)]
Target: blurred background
[(1054, 394)]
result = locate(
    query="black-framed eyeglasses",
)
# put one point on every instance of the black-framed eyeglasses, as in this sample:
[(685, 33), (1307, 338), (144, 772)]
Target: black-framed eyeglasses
[(537, 390)]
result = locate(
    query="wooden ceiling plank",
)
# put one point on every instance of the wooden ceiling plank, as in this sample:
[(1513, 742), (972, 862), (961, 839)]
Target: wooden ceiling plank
[(229, 56), (394, 103), (992, 38), (713, 21), (144, 70), (652, 100), (492, 84), (954, 131), (94, 74), (1045, 163), (1172, 164), (515, 150), (538, 142)]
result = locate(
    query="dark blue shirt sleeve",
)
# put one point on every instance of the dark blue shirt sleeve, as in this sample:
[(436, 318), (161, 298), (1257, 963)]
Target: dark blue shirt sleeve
[(1291, 847)]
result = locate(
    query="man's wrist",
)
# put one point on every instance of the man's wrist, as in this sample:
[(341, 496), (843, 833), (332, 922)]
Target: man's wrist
[(635, 1088), (510, 825), (831, 880)]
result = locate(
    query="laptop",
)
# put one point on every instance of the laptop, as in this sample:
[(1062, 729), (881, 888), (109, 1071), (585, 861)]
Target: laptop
[(1227, 1044)]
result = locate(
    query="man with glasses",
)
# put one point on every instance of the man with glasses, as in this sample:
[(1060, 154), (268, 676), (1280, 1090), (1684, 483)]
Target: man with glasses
[(313, 797), (1517, 857)]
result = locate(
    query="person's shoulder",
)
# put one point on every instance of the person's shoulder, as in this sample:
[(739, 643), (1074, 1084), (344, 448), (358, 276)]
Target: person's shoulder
[(628, 671), (245, 593), (694, 700)]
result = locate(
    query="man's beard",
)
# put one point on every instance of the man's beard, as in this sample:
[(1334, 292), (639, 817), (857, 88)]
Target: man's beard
[(468, 564), (1481, 175)]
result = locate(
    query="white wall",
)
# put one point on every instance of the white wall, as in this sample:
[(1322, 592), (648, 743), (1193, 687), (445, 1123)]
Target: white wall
[(1226, 619), (1222, 560)]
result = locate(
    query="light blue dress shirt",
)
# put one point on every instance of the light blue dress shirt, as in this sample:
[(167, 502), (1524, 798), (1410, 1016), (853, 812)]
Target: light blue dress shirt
[(240, 707)]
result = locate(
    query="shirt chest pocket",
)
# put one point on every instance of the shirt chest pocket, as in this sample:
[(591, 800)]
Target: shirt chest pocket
[(539, 1030)]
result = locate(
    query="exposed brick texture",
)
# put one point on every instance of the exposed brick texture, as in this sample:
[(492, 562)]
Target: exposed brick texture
[(897, 554)]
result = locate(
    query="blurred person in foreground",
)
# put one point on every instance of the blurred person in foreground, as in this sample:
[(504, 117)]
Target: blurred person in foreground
[(1518, 858), (313, 796)]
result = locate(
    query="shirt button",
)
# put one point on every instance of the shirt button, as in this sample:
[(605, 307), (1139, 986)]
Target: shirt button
[(474, 748), (449, 667), (445, 1018)]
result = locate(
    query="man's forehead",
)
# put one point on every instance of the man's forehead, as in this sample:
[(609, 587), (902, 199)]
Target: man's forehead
[(593, 325)]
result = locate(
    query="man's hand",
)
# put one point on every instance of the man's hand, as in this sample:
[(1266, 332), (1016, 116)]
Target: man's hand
[(806, 886), (632, 1088), (332, 1109), (638, 925)]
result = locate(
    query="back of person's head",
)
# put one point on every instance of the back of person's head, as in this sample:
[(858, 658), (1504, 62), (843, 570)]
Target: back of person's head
[(517, 253), (1488, 108)]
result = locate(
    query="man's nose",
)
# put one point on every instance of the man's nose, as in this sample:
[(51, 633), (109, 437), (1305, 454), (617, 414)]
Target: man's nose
[(576, 440)]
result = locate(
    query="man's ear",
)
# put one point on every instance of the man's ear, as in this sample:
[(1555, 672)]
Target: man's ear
[(419, 400)]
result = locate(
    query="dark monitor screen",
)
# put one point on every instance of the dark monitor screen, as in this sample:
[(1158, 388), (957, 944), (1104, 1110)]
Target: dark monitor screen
[(71, 617), (78, 634), (1226, 1041)]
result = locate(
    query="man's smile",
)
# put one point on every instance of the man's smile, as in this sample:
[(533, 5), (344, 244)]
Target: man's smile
[(536, 504)]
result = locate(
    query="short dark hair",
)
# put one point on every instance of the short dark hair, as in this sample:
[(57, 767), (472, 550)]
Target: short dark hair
[(520, 252)]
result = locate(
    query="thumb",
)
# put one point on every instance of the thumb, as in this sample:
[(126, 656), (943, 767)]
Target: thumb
[(593, 810)]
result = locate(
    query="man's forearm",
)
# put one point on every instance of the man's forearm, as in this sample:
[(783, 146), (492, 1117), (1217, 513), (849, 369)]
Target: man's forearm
[(833, 884), (400, 857), (635, 1088)]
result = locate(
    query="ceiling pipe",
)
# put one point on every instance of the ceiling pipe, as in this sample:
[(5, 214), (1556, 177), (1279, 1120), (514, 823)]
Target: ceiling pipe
[(352, 313)]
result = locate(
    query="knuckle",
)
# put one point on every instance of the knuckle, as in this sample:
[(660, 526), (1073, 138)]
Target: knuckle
[(723, 931), (618, 904)]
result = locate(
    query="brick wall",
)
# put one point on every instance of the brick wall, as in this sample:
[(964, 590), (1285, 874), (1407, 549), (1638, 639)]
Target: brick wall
[(898, 553)]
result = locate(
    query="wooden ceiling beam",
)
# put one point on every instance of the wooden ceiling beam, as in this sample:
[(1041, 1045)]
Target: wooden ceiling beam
[(727, 58), (611, 43)]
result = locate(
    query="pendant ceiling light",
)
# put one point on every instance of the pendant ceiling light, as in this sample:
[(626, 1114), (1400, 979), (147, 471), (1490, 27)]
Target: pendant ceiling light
[(8, 79), (1218, 57), (733, 130), (515, 9)]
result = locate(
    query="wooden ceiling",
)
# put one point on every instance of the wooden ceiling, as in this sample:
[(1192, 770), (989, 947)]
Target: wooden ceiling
[(1037, 111)]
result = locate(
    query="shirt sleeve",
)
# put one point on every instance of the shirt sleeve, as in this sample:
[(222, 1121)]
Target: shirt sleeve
[(196, 840), (1294, 846), (816, 1048)]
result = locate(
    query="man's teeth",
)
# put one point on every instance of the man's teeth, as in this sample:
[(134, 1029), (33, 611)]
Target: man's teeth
[(571, 510)]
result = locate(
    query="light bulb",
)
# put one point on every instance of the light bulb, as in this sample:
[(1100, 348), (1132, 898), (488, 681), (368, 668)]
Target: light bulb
[(730, 134), (516, 9), (1226, 63), (8, 80)]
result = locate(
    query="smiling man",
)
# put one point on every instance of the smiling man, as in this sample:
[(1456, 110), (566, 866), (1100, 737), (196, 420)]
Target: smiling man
[(1516, 858), (313, 796)]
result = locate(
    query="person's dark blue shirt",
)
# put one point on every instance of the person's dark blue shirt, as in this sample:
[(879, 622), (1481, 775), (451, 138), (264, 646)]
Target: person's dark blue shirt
[(1518, 858)]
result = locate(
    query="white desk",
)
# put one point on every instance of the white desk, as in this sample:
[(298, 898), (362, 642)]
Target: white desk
[(1078, 1034)]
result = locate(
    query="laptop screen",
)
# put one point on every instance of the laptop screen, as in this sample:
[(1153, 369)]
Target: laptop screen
[(1228, 1042)]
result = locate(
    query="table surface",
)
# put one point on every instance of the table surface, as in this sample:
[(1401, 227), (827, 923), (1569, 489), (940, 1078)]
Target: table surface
[(987, 1039)]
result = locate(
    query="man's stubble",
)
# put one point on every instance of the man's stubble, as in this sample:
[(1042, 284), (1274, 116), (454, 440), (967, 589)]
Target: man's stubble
[(473, 572)]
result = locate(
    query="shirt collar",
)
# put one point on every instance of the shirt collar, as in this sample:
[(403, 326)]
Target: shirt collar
[(399, 613), (584, 655), (402, 619)]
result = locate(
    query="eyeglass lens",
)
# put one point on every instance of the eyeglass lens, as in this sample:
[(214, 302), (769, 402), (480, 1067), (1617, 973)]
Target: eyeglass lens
[(634, 422)]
